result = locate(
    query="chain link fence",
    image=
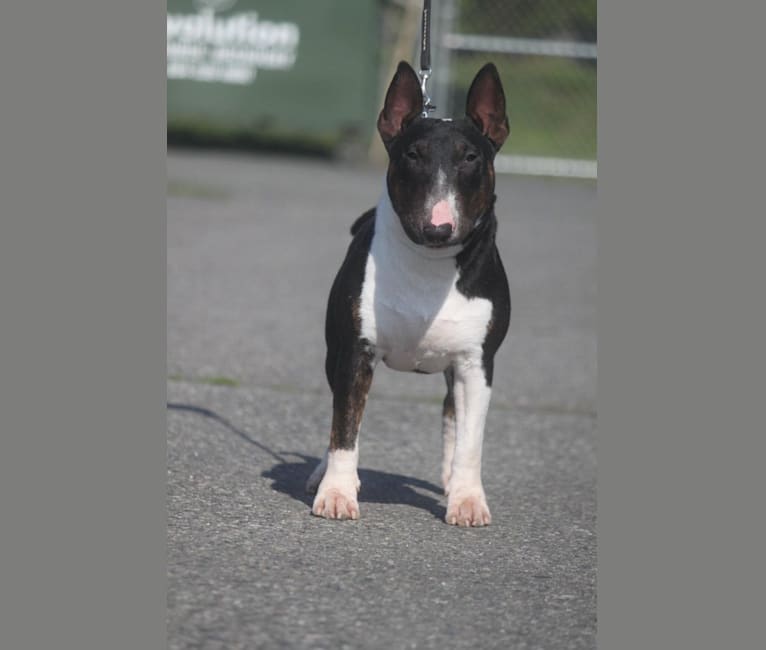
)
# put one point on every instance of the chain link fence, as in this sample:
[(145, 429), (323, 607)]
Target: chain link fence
[(545, 51), (243, 69)]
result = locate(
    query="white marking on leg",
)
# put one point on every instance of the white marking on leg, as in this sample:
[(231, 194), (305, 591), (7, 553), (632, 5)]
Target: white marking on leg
[(336, 494), (467, 505)]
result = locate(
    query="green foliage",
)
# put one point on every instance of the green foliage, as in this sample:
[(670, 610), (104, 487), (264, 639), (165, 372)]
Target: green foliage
[(565, 19), (196, 190), (551, 102), (210, 381)]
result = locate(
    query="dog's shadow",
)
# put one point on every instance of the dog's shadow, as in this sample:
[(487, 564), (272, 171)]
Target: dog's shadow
[(377, 486), (290, 477)]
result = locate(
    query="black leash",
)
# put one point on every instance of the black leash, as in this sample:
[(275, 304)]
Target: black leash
[(425, 56)]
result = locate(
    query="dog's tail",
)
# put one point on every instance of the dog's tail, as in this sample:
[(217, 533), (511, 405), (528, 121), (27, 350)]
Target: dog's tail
[(361, 221)]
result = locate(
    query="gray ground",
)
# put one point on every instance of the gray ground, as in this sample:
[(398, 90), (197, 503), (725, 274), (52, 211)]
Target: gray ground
[(253, 246)]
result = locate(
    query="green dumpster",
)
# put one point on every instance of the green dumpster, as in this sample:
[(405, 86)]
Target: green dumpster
[(277, 71)]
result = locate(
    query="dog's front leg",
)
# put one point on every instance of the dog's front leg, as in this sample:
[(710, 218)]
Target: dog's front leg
[(337, 489), (467, 504), (448, 429)]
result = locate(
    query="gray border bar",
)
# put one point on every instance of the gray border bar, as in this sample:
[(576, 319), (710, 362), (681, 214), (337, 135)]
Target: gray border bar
[(82, 283), (681, 325)]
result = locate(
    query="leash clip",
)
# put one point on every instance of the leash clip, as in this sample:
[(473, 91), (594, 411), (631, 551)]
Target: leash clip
[(427, 105)]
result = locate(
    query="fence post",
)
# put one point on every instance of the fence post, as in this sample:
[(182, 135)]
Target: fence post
[(442, 57)]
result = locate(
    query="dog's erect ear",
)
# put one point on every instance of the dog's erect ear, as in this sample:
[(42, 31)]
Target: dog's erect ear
[(404, 102), (486, 105)]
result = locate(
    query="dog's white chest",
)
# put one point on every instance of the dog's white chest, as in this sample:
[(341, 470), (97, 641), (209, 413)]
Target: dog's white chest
[(411, 309)]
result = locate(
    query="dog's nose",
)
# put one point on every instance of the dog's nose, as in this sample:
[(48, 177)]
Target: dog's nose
[(437, 234)]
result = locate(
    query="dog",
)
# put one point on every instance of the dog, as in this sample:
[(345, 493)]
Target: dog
[(422, 289)]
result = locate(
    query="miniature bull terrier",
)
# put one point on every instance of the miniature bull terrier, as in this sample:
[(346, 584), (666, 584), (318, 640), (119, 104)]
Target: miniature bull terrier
[(422, 289)]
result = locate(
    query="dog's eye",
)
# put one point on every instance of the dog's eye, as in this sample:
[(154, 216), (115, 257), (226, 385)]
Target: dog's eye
[(412, 154), (471, 157)]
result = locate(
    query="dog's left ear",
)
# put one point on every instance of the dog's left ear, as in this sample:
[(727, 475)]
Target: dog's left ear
[(486, 105)]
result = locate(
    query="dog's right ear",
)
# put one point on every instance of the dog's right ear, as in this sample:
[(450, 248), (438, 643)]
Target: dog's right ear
[(404, 102), (486, 105)]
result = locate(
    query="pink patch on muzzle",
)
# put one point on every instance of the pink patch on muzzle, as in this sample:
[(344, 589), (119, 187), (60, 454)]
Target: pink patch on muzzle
[(442, 214)]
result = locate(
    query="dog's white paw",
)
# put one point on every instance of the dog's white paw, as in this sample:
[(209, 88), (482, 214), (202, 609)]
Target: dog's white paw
[(336, 503), (313, 481), (471, 510)]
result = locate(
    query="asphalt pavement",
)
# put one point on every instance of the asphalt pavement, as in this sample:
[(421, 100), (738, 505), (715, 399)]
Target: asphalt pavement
[(254, 242)]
